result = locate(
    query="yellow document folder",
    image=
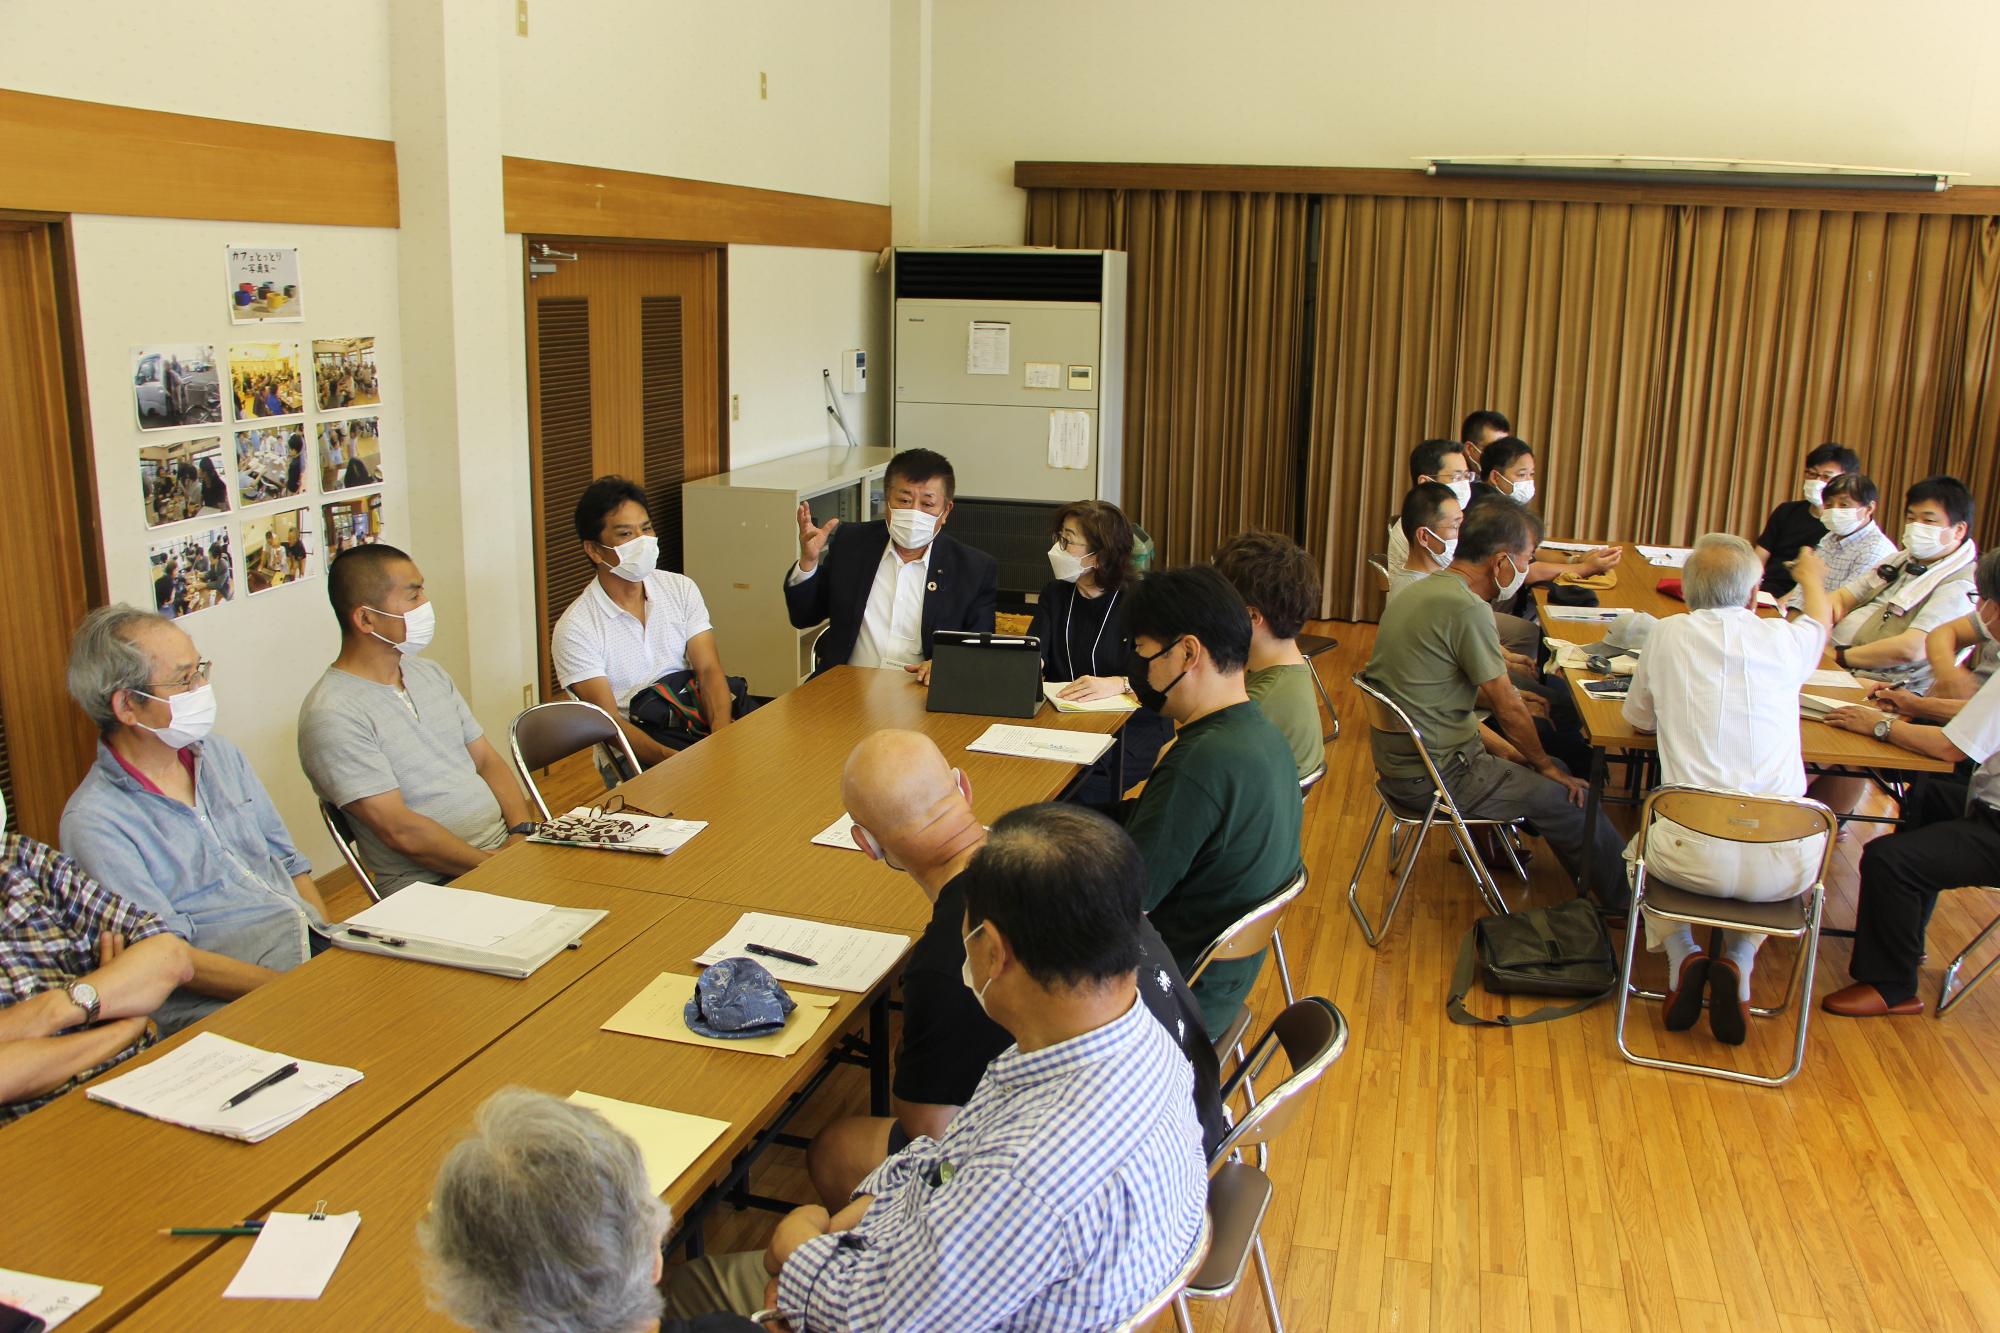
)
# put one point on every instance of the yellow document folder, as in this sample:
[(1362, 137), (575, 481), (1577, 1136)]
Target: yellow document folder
[(657, 1012), (669, 1141)]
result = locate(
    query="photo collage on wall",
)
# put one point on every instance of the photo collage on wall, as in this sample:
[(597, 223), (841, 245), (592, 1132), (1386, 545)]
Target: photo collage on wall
[(261, 426)]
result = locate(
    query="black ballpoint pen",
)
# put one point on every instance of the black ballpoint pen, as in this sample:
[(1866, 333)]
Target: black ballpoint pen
[(377, 939), (768, 952), (278, 1075)]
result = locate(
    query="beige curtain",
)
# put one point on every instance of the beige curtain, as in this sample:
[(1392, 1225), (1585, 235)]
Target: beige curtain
[(1670, 364), (1214, 352)]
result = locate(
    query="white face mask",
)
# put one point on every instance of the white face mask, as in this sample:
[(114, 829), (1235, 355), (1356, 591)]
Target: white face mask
[(1461, 490), (1925, 541), (192, 716), (1813, 490), (1069, 568), (1510, 589), (418, 627), (1978, 621), (965, 971), (1522, 491), (1843, 522), (912, 529), (1450, 548), (636, 558)]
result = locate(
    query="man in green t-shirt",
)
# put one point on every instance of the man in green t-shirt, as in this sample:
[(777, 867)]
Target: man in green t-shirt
[(1438, 655), (1280, 588), (1218, 823)]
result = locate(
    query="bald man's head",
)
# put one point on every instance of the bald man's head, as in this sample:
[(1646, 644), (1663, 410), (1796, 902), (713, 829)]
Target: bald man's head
[(901, 792)]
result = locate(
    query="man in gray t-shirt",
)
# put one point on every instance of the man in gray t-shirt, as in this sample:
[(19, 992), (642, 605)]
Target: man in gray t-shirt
[(387, 738), (1437, 654)]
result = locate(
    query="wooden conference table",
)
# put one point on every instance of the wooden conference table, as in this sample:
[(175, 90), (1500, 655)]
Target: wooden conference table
[(1823, 747), (89, 1186)]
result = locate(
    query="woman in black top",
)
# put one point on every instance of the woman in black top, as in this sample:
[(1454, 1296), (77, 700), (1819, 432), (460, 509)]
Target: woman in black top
[(1079, 617), (214, 493)]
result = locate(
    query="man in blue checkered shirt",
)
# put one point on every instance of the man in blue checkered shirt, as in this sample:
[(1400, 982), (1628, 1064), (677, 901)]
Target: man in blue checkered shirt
[(80, 970), (1071, 1187)]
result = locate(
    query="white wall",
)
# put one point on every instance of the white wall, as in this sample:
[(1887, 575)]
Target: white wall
[(143, 281), (1307, 82), (779, 344), (297, 63)]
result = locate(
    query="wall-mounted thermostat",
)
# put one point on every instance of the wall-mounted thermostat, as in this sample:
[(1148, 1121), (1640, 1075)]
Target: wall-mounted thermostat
[(854, 370), (1081, 377)]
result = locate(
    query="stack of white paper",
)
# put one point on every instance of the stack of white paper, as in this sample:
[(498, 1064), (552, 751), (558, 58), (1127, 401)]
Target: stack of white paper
[(1668, 557), (840, 833), (1833, 679), (1584, 547), (657, 835), (1594, 615), (844, 957), (1817, 706), (188, 1085), (49, 1299), (483, 932), (1117, 703), (1068, 747), (294, 1257)]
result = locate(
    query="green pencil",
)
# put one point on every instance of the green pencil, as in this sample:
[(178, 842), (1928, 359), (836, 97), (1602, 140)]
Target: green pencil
[(240, 1229)]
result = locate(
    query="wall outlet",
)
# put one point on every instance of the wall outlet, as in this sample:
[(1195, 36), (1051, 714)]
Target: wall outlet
[(520, 18), (736, 407), (763, 82), (528, 696)]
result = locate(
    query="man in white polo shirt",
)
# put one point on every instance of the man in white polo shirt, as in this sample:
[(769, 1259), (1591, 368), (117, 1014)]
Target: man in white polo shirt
[(635, 623)]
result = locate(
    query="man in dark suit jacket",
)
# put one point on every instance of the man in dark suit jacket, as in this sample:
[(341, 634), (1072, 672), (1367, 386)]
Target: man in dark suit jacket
[(887, 586)]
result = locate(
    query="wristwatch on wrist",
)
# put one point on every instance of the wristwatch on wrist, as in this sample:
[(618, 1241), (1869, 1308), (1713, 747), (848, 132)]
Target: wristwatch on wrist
[(1882, 728), (525, 827), (84, 996)]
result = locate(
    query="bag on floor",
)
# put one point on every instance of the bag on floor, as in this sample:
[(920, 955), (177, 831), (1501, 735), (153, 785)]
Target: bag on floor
[(1559, 950), (669, 710)]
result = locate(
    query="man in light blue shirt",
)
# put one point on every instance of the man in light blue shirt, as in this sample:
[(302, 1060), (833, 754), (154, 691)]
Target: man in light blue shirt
[(173, 818), (1071, 1186)]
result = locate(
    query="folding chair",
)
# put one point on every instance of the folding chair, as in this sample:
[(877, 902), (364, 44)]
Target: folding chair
[(1312, 1033), (1947, 997), (1188, 1268), (547, 733), (1379, 562), (1310, 647), (1246, 937), (1388, 716), (1734, 817), (350, 847)]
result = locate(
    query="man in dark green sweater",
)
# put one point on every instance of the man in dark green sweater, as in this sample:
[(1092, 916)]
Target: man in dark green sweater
[(1218, 823)]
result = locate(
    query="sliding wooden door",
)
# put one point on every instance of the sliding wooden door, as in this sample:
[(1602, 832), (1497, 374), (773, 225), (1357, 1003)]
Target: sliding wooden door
[(46, 744), (625, 368)]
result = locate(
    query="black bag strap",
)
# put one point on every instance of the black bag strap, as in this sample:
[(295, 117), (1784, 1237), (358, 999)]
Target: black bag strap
[(1461, 986)]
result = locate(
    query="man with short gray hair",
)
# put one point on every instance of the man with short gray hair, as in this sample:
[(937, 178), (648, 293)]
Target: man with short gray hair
[(173, 818), (543, 1218), (1720, 686)]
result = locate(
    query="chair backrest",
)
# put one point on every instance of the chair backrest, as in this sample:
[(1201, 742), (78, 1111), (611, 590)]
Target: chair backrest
[(1250, 934), (553, 731), (1189, 1267), (1385, 714), (1311, 780), (1379, 562), (1735, 816), (1312, 1032), (350, 847)]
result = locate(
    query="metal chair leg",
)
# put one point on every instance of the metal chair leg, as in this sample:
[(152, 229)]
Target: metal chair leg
[(1368, 932), (1947, 997), (1327, 699), (1482, 878), (1182, 1323), (1284, 970), (1264, 1281)]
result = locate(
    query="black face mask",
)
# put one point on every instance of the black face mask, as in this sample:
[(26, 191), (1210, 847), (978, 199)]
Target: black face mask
[(1142, 687)]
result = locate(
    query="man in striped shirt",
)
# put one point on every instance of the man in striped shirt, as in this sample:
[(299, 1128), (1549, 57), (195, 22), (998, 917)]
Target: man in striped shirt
[(1071, 1187), (80, 970)]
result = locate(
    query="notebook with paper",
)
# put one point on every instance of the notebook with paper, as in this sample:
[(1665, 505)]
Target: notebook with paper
[(482, 932), (189, 1085), (844, 957)]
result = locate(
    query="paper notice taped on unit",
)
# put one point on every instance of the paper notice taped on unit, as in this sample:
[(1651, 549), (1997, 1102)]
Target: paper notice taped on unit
[(989, 347), (1069, 439), (1045, 375)]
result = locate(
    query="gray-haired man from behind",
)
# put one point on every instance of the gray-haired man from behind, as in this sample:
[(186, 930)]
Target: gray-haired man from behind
[(1720, 686)]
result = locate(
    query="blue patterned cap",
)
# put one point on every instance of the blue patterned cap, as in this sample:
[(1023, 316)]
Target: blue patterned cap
[(736, 998)]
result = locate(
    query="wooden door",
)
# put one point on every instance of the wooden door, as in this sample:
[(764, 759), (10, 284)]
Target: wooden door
[(46, 743), (625, 368)]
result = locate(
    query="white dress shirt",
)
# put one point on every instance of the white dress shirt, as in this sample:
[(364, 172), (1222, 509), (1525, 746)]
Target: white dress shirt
[(1721, 690), (892, 625), (1976, 732), (597, 637)]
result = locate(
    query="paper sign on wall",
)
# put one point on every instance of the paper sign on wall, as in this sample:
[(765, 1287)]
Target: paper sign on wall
[(1045, 375), (1069, 439), (989, 347)]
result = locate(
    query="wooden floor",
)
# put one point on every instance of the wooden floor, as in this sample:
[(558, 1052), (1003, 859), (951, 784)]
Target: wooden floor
[(1448, 1178)]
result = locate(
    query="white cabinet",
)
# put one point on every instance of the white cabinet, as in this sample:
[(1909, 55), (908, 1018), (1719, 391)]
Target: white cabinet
[(740, 534)]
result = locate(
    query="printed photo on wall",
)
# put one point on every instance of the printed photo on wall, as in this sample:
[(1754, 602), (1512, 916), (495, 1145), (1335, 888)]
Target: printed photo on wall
[(344, 373), (264, 380), (191, 573), (176, 385), (182, 480), (271, 463), (264, 285), (350, 453), (277, 549), (352, 523)]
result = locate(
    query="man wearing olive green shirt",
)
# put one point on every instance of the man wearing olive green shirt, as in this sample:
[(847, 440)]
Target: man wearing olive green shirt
[(1218, 824), (1280, 588)]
